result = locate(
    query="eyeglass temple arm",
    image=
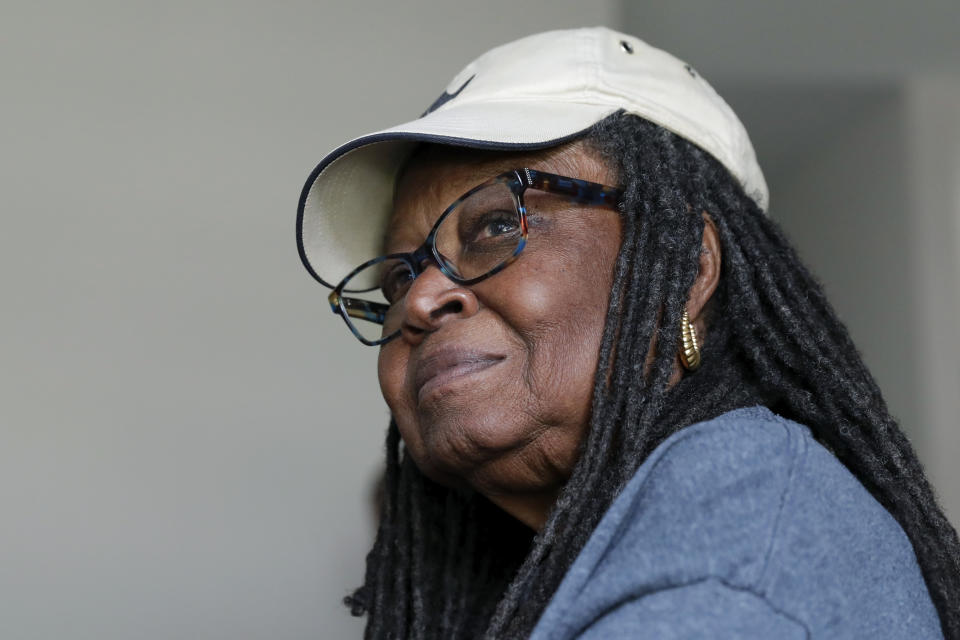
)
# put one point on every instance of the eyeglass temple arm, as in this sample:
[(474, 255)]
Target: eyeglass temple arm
[(579, 190), (357, 308)]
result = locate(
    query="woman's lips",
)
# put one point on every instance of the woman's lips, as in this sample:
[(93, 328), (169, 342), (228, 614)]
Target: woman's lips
[(439, 368)]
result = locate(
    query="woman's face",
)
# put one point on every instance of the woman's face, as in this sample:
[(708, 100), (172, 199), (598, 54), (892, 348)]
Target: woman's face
[(491, 384)]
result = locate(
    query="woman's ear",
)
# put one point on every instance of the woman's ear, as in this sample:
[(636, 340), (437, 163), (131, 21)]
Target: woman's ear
[(708, 275)]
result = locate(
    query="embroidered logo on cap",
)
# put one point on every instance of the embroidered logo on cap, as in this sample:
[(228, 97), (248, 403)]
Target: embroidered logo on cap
[(446, 97)]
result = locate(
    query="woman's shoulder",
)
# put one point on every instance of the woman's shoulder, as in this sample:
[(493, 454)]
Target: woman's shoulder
[(751, 503), (738, 444)]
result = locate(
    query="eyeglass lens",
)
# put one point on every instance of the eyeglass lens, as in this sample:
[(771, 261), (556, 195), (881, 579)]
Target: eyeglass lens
[(477, 235)]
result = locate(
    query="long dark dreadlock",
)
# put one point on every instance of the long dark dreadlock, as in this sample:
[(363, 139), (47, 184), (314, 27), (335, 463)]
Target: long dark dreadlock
[(448, 564)]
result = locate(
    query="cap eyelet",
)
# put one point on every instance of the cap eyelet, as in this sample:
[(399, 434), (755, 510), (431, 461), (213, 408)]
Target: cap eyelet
[(626, 46), (690, 70)]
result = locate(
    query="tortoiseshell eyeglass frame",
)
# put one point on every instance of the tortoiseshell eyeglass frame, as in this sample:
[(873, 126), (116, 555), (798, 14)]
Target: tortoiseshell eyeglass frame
[(518, 181)]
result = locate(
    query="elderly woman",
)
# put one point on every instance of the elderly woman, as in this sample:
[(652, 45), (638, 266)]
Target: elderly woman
[(621, 407)]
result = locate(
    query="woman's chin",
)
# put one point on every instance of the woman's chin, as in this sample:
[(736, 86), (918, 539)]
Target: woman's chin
[(495, 459), (462, 447)]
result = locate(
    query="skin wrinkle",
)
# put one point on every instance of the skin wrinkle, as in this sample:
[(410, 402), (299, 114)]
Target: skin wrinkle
[(541, 457)]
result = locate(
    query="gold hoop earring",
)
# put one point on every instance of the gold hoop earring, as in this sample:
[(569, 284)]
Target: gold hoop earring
[(689, 349)]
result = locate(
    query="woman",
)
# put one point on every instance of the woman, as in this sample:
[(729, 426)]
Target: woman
[(621, 406)]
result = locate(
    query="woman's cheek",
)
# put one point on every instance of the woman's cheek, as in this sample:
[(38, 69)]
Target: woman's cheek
[(532, 300), (391, 368)]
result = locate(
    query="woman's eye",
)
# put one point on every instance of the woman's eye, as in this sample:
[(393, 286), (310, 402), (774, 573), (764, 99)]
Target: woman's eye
[(395, 282), (496, 223), (501, 227)]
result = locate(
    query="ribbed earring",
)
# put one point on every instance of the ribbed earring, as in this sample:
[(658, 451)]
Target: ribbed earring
[(689, 349)]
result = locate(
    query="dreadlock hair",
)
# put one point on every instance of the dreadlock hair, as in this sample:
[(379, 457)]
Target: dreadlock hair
[(448, 564)]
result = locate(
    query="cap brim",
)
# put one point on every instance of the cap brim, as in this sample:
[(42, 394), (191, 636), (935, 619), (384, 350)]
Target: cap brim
[(346, 201)]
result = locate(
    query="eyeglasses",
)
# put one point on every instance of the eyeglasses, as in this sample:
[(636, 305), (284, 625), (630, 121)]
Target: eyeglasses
[(478, 235)]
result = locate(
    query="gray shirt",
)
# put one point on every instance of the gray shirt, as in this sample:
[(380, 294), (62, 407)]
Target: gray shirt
[(743, 527)]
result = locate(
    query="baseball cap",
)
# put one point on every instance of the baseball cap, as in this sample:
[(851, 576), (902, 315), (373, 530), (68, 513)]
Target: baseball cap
[(533, 93)]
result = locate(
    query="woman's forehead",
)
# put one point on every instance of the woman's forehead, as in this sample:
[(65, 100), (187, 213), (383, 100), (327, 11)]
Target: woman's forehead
[(436, 175)]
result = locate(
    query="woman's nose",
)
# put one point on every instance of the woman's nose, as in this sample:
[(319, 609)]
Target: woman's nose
[(433, 300)]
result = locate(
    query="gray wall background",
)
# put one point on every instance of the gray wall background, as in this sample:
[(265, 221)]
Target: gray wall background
[(188, 438)]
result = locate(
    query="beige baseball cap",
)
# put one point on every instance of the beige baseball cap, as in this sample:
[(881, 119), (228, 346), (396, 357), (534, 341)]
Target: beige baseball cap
[(533, 93)]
